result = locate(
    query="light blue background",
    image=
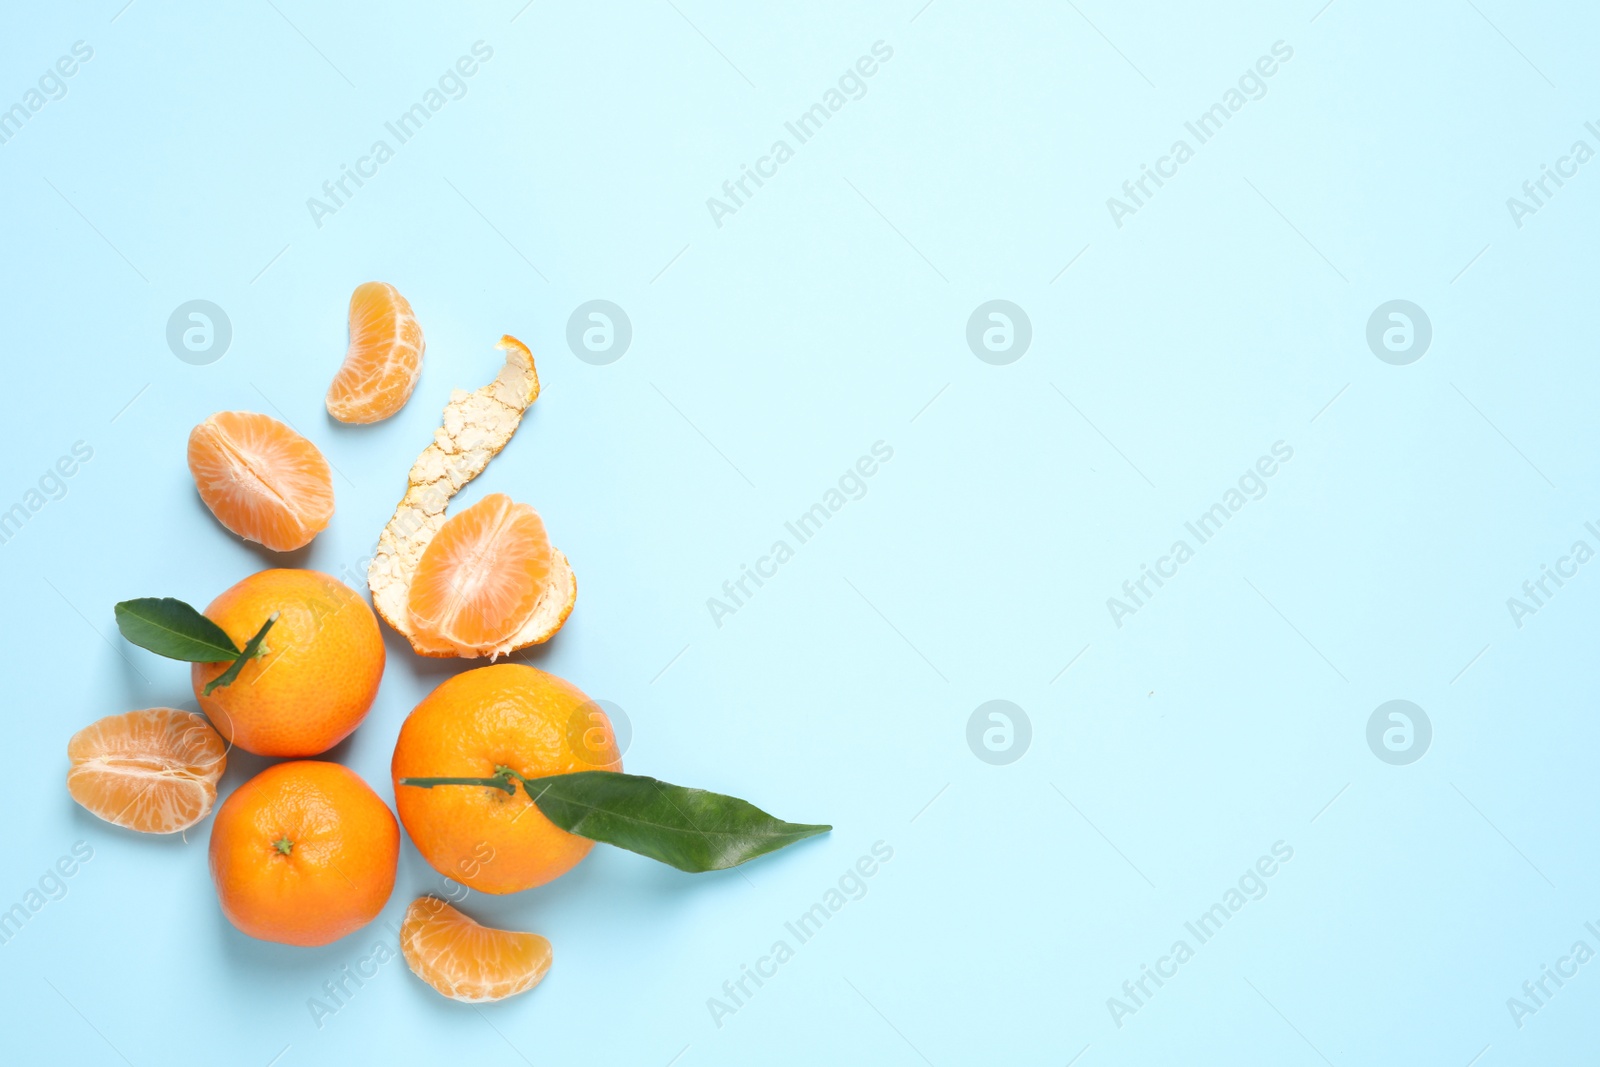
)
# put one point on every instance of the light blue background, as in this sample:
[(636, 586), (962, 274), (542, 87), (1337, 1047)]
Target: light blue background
[(827, 314)]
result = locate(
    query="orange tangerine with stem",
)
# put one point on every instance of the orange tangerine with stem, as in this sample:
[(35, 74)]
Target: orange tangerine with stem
[(304, 853), (318, 675), (506, 715)]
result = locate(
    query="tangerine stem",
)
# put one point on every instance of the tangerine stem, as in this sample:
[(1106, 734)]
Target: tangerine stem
[(253, 649), (527, 783), (499, 781)]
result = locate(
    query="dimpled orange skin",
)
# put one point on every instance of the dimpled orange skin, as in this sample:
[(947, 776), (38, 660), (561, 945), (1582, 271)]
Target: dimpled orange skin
[(304, 853), (503, 715), (321, 671)]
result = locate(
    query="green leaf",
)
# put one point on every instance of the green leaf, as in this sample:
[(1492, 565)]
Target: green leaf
[(252, 649), (173, 629), (691, 829)]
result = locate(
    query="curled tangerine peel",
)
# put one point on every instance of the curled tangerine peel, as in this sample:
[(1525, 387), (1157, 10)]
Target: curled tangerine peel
[(154, 771), (260, 479), (467, 961), (384, 359), (481, 578), (476, 426)]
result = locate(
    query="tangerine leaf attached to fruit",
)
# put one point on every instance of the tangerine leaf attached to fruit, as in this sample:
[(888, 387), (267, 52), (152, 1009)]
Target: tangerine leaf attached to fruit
[(173, 629), (691, 829)]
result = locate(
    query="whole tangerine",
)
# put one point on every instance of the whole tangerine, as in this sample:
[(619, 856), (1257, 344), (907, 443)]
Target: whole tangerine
[(506, 715), (304, 853), (318, 676)]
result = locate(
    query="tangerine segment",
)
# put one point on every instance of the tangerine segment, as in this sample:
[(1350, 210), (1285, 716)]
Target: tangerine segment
[(468, 961), (154, 771), (384, 359), (507, 715), (303, 853), (481, 578), (260, 479)]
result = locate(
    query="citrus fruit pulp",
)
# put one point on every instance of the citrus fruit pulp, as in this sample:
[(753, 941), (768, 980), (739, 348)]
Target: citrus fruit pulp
[(467, 961), (260, 479), (384, 359), (154, 771), (481, 578)]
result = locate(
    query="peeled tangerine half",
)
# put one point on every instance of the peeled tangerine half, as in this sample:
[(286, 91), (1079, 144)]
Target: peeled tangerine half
[(489, 581), (384, 359), (154, 771), (465, 960), (482, 580), (260, 479)]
